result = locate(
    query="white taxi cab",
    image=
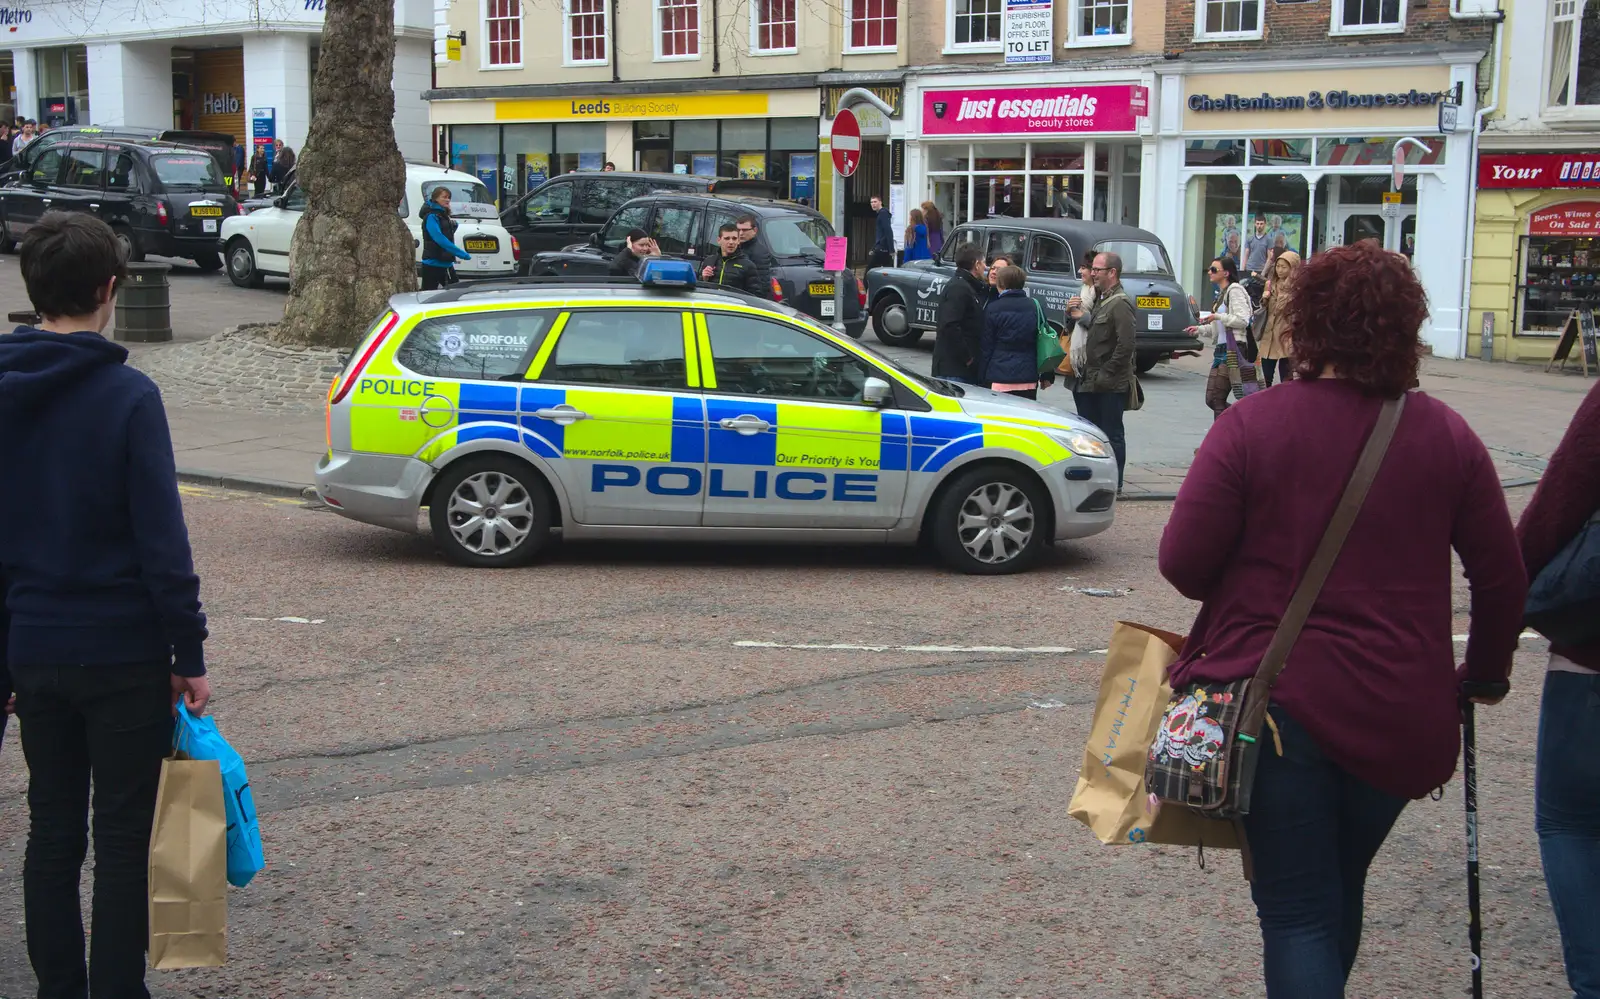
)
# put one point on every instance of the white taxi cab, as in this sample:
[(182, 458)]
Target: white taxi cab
[(256, 246)]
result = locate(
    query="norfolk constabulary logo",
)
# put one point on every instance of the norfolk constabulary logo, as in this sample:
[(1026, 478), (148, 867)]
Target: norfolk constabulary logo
[(450, 342)]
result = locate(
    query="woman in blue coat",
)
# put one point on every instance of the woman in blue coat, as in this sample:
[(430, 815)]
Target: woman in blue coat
[(1008, 354)]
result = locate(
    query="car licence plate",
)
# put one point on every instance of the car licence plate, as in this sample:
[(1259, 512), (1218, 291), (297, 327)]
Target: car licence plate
[(820, 289), (1153, 302), (205, 211), (481, 245)]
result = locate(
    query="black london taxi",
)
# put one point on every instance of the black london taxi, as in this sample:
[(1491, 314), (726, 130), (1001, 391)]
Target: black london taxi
[(685, 226), (570, 208), (158, 197), (904, 301), (218, 144)]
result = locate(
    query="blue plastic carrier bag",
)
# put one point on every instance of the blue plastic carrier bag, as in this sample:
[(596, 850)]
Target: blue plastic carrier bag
[(198, 739)]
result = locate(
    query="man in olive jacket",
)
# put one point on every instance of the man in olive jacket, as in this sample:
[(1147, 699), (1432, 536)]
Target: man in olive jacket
[(960, 319), (1102, 392)]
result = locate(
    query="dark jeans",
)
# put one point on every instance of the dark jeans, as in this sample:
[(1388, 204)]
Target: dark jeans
[(1566, 803), (1313, 830), (1276, 364), (1105, 410), (880, 258), (434, 278), (1032, 393), (111, 724)]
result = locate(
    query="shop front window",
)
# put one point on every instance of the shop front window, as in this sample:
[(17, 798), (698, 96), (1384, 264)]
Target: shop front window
[(744, 149), (1279, 206), (527, 163), (1276, 152), (580, 146), (475, 149), (793, 159), (1033, 180), (1349, 209), (1560, 267), (63, 76), (694, 148), (1574, 54), (1376, 152), (1211, 229), (1214, 152)]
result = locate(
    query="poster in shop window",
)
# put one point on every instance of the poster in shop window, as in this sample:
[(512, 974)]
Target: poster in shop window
[(753, 166), (535, 169), (1229, 234)]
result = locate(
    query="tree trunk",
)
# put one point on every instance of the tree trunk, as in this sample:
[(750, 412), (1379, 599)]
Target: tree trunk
[(351, 250)]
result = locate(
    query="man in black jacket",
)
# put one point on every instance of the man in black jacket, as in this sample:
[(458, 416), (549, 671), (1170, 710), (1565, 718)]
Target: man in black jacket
[(105, 628), (960, 319), (735, 269), (760, 259), (883, 236)]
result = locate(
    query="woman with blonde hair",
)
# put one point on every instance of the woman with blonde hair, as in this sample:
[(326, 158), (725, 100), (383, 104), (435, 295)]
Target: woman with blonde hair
[(917, 238), (934, 219), (1276, 344)]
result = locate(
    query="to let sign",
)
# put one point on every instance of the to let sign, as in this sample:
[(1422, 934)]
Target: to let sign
[(1027, 31), (1576, 218), (1028, 110), (845, 139)]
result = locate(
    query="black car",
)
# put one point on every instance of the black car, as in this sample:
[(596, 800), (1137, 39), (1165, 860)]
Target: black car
[(158, 197), (572, 207), (686, 226), (218, 144), (904, 300)]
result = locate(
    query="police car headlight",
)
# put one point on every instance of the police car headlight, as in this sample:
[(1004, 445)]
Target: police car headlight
[(1084, 444)]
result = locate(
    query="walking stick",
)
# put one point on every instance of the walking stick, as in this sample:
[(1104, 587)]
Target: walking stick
[(1469, 771)]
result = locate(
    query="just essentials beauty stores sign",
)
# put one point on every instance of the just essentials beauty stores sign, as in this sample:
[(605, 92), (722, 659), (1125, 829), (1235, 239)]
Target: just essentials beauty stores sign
[(1031, 110)]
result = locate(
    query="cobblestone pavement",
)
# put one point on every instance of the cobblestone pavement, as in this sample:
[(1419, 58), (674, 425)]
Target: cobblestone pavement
[(582, 779)]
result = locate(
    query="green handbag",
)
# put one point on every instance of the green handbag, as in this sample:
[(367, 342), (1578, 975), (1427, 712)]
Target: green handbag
[(1050, 352)]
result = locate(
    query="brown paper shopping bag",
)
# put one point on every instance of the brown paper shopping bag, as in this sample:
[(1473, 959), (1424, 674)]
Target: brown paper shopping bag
[(189, 868), (1111, 798)]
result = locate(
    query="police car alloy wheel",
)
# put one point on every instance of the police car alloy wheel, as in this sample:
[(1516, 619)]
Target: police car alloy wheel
[(991, 521), (891, 324), (490, 512)]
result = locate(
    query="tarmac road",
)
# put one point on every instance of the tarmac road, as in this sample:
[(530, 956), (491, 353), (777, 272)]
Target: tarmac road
[(606, 775)]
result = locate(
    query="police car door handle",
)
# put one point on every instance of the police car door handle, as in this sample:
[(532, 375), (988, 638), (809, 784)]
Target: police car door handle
[(562, 414), (745, 424)]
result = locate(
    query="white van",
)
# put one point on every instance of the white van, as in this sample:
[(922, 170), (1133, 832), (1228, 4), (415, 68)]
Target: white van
[(256, 246)]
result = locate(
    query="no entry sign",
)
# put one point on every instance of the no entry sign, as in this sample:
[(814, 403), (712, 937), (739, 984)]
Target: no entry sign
[(846, 142)]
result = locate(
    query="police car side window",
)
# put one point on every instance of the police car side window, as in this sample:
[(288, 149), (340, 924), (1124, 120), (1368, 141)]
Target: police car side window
[(640, 348), (489, 347), (758, 357)]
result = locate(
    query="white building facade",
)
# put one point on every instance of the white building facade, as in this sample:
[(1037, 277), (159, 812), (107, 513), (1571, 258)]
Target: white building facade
[(242, 67)]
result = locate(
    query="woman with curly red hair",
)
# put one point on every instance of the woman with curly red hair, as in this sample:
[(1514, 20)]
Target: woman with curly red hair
[(1366, 710)]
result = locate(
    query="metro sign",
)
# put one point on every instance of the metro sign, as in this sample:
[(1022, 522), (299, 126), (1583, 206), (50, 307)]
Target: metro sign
[(845, 139)]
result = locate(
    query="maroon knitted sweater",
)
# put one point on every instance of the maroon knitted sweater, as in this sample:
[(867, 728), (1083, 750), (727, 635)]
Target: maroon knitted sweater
[(1568, 495)]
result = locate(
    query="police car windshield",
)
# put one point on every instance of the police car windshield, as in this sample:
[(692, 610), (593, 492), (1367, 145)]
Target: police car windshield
[(194, 170), (1138, 257), (938, 385), (796, 235)]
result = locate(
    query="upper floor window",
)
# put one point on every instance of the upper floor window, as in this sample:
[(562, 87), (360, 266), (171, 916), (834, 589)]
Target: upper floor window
[(677, 29), (587, 32), (1100, 22), (772, 26), (974, 24), (1574, 54), (1219, 19), (503, 24), (872, 26), (1368, 16)]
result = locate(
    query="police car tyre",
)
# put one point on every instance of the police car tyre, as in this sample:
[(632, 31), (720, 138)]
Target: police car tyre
[(490, 511), (991, 520), (209, 261), (242, 264), (129, 242), (889, 316)]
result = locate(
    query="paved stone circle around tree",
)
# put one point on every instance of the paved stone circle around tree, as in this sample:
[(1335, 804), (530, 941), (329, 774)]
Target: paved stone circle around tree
[(241, 368)]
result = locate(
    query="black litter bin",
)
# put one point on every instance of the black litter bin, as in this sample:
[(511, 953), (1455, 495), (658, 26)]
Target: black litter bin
[(144, 305)]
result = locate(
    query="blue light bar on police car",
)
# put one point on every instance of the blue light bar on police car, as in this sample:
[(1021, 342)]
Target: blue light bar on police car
[(657, 272)]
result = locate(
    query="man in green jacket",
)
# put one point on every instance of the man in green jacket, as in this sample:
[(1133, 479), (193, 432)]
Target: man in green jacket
[(1102, 392), (735, 269)]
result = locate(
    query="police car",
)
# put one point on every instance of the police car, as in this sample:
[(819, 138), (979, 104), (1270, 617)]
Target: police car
[(652, 409)]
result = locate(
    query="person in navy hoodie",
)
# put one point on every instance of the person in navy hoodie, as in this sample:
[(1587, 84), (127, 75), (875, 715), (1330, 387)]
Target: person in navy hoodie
[(1008, 354), (105, 631)]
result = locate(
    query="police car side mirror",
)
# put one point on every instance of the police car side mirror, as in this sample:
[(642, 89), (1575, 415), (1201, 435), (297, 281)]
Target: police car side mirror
[(876, 392)]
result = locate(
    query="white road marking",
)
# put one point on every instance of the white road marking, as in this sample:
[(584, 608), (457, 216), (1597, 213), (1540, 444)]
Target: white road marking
[(300, 620), (841, 647), (1525, 636)]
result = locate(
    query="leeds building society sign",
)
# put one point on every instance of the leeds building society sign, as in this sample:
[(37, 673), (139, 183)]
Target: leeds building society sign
[(1316, 100)]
